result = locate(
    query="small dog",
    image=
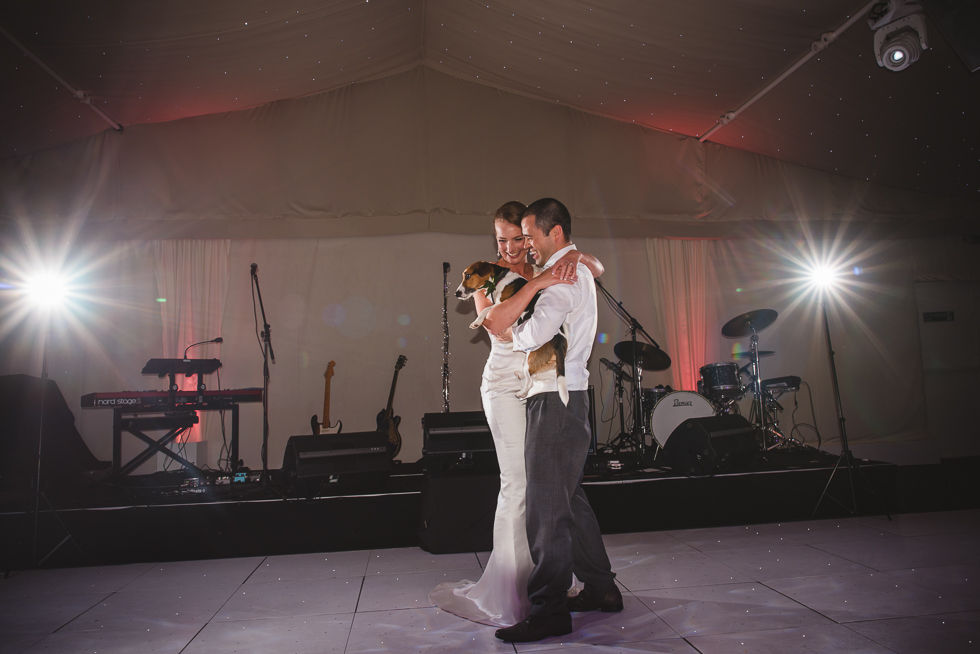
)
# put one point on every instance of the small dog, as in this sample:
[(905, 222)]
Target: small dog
[(500, 283)]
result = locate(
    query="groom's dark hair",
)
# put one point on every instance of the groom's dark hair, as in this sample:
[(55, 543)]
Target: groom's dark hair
[(549, 212)]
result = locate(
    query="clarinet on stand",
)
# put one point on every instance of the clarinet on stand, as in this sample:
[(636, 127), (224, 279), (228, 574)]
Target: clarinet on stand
[(445, 337)]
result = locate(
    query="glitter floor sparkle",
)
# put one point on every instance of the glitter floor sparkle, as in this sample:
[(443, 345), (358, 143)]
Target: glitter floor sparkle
[(846, 585)]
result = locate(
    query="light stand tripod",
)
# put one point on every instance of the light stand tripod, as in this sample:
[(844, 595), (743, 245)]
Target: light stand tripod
[(845, 455), (38, 493)]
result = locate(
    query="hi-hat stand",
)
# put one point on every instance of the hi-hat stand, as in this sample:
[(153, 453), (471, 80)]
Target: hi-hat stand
[(750, 324)]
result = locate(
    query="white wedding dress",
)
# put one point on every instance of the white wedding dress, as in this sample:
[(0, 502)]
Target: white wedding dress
[(500, 596)]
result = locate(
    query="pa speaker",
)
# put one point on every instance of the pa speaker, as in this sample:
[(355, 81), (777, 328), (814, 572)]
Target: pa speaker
[(463, 432), (64, 456), (351, 461), (706, 446), (457, 513)]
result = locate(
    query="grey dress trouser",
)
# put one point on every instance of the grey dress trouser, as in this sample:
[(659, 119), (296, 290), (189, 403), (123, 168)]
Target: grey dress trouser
[(562, 530)]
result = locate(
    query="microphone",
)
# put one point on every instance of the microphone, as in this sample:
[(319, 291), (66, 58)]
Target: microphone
[(255, 267), (213, 340), (616, 369), (445, 266)]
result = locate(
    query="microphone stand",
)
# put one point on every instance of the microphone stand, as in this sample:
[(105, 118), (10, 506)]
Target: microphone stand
[(637, 430), (614, 444), (267, 354), (445, 337)]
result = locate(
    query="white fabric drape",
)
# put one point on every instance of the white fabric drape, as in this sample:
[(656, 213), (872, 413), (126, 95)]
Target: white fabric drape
[(420, 152), (682, 274), (192, 280)]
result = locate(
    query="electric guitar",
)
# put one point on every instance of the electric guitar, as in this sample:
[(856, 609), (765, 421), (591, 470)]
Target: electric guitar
[(387, 420), (325, 427)]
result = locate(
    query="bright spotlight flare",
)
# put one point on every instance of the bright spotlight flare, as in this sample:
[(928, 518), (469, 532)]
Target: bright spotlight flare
[(46, 289), (900, 33), (824, 277)]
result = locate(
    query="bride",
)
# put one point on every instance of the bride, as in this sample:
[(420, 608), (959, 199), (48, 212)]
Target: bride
[(499, 598)]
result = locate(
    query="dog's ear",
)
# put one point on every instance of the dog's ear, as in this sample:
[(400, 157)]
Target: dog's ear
[(483, 268), (498, 271)]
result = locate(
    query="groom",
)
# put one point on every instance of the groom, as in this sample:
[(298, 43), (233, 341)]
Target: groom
[(562, 530)]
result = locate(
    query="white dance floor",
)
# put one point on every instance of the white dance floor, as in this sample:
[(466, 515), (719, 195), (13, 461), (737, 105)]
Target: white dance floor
[(850, 585)]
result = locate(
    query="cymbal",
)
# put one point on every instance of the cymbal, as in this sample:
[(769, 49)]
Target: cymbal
[(742, 325), (748, 355), (647, 356)]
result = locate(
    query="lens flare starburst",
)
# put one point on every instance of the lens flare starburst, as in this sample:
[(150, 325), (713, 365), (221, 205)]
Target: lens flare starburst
[(50, 291)]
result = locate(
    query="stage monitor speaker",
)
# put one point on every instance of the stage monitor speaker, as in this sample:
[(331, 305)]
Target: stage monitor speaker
[(65, 455), (355, 460), (706, 446), (463, 432)]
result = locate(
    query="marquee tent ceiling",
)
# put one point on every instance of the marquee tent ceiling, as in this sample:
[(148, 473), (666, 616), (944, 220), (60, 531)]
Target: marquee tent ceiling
[(672, 66)]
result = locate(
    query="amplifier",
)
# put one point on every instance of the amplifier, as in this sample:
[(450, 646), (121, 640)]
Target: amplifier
[(467, 432), (463, 432), (711, 445), (335, 458)]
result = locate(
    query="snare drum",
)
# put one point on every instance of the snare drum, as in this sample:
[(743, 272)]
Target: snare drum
[(674, 409), (720, 382)]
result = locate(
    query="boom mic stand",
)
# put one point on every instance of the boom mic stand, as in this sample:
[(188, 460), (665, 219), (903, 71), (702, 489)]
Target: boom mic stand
[(636, 358), (267, 354), (845, 455)]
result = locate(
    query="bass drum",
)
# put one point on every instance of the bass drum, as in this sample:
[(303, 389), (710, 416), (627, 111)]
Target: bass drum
[(674, 409)]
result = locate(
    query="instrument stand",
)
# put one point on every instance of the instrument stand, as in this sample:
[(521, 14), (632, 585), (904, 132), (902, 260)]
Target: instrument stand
[(846, 457), (769, 434), (445, 337), (771, 406), (624, 437), (642, 357), (267, 354)]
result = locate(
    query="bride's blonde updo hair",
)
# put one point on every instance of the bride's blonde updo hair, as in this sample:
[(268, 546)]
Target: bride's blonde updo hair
[(509, 212)]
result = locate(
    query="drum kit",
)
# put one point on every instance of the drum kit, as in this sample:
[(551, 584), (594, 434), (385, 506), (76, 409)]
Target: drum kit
[(662, 409)]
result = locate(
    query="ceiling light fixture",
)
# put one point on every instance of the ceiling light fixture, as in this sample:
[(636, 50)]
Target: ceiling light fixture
[(900, 33)]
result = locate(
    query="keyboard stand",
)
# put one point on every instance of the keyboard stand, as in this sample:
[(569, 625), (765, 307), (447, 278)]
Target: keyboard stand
[(129, 420)]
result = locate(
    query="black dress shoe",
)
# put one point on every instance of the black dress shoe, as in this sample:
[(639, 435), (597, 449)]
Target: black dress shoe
[(536, 627), (609, 602)]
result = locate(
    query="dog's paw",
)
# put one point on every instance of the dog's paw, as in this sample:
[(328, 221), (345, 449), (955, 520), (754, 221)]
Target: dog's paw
[(476, 324)]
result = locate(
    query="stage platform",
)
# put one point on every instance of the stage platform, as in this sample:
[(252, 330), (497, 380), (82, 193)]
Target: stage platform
[(165, 517)]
